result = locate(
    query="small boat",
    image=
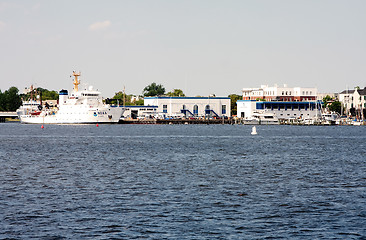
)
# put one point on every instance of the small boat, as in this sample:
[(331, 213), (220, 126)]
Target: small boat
[(262, 118), (331, 118)]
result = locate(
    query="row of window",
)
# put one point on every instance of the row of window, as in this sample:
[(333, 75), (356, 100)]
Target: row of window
[(90, 94), (270, 93), (195, 109)]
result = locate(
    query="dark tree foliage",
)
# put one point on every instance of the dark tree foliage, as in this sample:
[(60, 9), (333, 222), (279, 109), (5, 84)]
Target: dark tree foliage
[(10, 100), (176, 93), (335, 107), (47, 95), (120, 96), (234, 98), (154, 90), (326, 99)]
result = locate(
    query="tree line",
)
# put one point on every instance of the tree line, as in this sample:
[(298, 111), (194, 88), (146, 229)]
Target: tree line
[(11, 100)]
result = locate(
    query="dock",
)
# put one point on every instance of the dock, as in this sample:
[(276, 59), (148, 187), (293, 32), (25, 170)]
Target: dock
[(5, 115), (178, 121)]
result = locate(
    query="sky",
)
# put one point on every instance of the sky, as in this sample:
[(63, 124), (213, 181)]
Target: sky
[(200, 46)]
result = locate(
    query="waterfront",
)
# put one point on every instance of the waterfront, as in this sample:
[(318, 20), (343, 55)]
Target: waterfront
[(182, 182)]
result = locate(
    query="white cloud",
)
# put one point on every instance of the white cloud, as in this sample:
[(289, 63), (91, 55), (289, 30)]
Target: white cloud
[(99, 25)]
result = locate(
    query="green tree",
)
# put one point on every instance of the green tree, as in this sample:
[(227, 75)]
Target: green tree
[(47, 95), (153, 90), (335, 107), (176, 93), (234, 98), (326, 99), (120, 96), (2, 104), (10, 100)]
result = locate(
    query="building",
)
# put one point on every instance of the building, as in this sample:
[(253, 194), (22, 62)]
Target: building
[(353, 101), (191, 106), (138, 111), (282, 109), (276, 93), (284, 102)]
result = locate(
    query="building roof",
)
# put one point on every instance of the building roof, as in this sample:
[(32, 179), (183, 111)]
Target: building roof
[(347, 92), (362, 91)]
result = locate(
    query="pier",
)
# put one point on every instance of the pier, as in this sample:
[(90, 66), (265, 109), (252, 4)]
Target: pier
[(4, 115), (178, 121)]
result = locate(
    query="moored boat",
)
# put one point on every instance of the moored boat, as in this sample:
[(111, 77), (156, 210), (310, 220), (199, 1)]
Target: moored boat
[(82, 106), (262, 118)]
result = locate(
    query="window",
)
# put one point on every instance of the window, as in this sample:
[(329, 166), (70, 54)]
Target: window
[(223, 109), (207, 107), (184, 107), (195, 109), (165, 108)]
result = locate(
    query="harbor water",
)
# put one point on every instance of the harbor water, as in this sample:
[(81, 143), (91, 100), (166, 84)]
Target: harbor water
[(182, 182)]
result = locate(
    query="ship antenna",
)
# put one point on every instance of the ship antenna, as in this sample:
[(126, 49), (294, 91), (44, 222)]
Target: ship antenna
[(76, 80)]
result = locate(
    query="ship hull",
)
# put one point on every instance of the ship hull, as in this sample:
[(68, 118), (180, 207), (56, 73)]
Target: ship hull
[(83, 116)]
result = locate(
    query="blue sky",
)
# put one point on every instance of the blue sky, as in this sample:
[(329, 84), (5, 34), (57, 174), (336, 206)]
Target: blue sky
[(201, 46)]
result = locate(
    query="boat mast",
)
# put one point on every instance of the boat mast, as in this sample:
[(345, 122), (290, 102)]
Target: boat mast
[(76, 81)]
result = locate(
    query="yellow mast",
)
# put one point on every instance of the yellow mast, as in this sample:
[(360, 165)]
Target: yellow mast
[(76, 81)]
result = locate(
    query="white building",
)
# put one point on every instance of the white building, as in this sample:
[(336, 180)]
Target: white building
[(353, 101), (191, 106), (282, 109), (276, 93), (138, 111)]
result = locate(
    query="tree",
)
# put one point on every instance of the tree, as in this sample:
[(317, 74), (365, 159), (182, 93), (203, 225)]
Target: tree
[(176, 93), (10, 100), (335, 107), (2, 104), (326, 99), (154, 90), (47, 95), (130, 99), (234, 98)]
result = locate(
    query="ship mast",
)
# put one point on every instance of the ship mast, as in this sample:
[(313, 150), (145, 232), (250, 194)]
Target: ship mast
[(76, 81)]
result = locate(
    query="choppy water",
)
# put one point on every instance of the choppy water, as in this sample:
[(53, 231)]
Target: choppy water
[(182, 182)]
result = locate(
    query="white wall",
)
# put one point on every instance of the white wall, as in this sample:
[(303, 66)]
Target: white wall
[(174, 105), (248, 107)]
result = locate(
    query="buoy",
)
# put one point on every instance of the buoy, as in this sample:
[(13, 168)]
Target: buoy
[(254, 130), (97, 125), (42, 126)]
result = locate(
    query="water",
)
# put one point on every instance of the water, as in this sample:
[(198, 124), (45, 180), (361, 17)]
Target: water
[(182, 182)]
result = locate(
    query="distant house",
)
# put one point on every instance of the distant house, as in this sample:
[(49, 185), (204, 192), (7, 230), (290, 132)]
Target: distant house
[(353, 101)]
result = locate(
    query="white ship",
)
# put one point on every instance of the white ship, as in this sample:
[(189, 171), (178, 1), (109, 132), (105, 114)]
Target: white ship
[(29, 106), (85, 106)]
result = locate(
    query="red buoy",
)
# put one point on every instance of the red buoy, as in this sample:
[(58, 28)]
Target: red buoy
[(97, 125), (42, 127)]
